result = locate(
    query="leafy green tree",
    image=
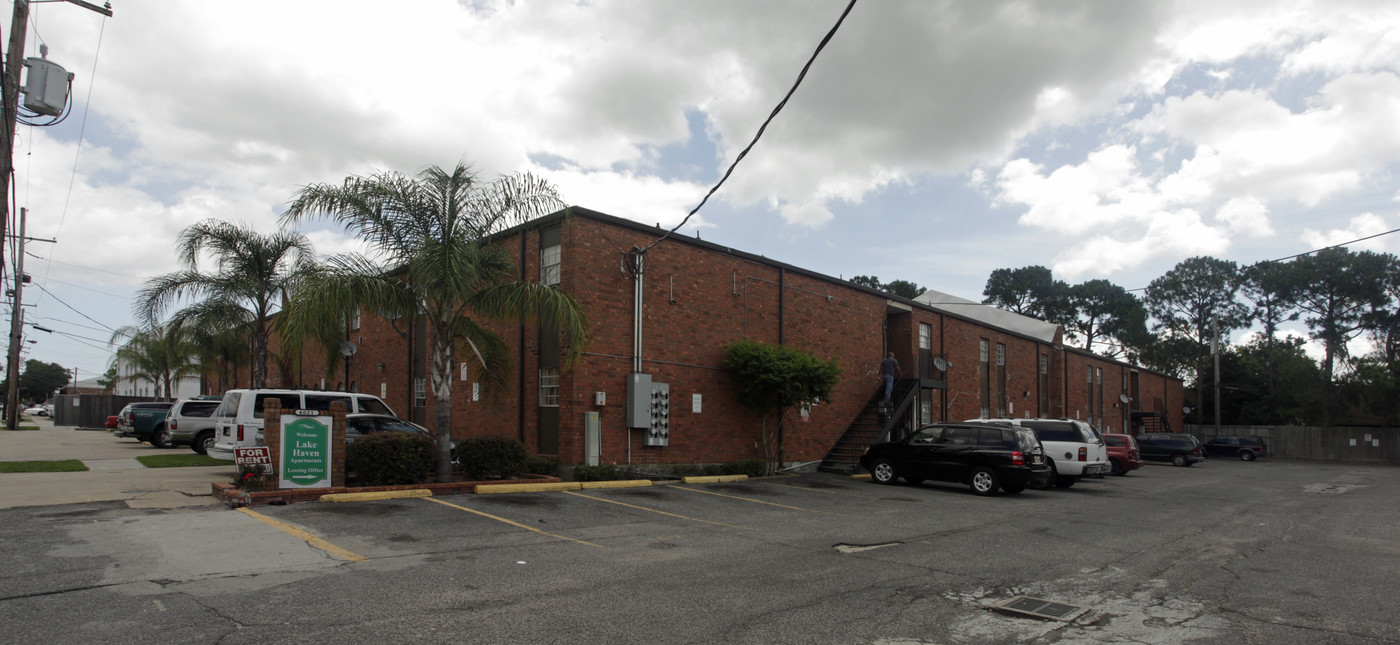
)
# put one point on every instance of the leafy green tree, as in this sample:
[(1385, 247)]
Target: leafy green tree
[(221, 348), (432, 232), (1030, 291), (1338, 288), (163, 355), (1246, 394), (254, 273), (1105, 311), (39, 380), (1271, 290), (1196, 301), (1373, 386), (771, 379), (901, 288)]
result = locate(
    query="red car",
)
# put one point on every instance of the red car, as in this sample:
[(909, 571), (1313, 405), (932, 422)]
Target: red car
[(1123, 453), (112, 421)]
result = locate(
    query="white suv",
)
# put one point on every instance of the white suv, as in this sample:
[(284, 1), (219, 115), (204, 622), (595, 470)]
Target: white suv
[(1073, 448), (239, 420)]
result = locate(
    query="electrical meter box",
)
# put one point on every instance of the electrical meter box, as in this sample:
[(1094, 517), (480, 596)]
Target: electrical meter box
[(659, 433), (46, 87), (638, 400)]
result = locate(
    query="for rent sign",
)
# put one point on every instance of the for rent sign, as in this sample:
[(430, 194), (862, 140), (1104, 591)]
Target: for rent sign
[(260, 456), (306, 451)]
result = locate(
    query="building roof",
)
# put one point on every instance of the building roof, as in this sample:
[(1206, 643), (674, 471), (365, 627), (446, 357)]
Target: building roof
[(989, 316)]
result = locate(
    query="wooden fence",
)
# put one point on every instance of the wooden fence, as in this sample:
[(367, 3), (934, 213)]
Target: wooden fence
[(1379, 445)]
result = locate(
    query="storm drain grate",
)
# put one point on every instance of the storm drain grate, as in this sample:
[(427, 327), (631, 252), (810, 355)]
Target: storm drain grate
[(1040, 608)]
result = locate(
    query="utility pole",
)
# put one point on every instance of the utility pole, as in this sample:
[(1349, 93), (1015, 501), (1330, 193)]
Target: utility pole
[(16, 332), (1215, 349), (9, 103)]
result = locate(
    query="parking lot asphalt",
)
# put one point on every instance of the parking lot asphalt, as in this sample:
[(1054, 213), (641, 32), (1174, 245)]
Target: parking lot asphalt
[(1225, 552)]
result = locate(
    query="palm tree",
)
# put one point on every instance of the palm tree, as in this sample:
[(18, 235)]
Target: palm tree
[(163, 355), (432, 233), (254, 274)]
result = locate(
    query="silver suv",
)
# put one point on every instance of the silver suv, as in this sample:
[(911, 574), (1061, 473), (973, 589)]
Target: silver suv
[(191, 423), (1073, 448)]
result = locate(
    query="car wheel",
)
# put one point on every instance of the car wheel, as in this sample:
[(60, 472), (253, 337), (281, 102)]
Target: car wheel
[(1012, 490), (883, 472), (203, 442), (1246, 455), (984, 481), (1179, 460), (161, 437), (1117, 467)]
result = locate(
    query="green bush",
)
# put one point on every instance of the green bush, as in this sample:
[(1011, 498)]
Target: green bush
[(484, 458), (391, 459), (537, 465), (750, 467), (604, 473)]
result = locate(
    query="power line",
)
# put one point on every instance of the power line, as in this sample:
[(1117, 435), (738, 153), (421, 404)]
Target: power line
[(743, 153), (60, 300)]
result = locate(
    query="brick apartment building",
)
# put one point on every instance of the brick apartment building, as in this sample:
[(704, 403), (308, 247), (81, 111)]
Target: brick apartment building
[(961, 359)]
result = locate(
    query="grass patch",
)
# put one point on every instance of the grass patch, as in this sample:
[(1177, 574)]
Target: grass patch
[(180, 461), (63, 466)]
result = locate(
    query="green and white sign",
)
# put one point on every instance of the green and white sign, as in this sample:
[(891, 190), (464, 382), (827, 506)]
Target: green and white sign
[(306, 451)]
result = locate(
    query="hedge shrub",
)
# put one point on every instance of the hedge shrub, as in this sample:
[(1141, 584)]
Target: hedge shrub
[(484, 458), (391, 459), (537, 465), (604, 473)]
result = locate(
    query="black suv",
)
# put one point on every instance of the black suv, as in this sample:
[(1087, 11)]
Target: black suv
[(1246, 448), (1180, 449), (983, 456)]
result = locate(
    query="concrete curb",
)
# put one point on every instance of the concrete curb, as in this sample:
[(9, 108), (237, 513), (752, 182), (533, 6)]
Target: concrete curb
[(711, 479), (383, 494), (625, 483), (527, 488)]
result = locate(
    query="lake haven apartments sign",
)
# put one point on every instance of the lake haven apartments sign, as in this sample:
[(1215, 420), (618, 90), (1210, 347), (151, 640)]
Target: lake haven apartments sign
[(306, 451)]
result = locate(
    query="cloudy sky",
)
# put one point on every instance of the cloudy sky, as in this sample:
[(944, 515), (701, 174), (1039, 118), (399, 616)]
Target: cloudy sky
[(932, 141)]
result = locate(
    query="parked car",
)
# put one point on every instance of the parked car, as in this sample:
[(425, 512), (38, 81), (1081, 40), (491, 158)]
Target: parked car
[(359, 425), (36, 411), (984, 456), (190, 423), (1179, 449), (112, 421), (144, 421), (1123, 453), (1247, 448), (1073, 448), (239, 418)]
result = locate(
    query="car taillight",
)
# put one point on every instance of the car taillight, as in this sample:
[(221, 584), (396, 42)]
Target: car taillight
[(1083, 454), (1017, 458), (174, 425), (240, 433)]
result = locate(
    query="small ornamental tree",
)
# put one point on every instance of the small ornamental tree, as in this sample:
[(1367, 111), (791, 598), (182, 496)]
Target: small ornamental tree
[(771, 379)]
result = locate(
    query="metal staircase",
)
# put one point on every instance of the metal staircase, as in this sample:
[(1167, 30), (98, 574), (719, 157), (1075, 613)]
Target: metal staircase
[(1151, 422), (873, 425)]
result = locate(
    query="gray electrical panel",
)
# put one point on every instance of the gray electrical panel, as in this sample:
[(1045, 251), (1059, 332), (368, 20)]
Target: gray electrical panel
[(659, 433), (638, 400)]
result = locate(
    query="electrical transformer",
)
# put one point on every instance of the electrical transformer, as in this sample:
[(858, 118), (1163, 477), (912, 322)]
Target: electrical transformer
[(46, 86)]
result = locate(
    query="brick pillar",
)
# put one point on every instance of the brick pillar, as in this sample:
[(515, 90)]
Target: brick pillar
[(272, 438)]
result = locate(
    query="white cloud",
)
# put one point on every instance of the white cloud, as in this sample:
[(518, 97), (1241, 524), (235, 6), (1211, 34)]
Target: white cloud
[(1364, 225), (1246, 215)]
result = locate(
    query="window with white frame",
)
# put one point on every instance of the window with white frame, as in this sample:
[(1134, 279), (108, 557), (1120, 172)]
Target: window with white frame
[(925, 336), (355, 320), (982, 355), (420, 392), (926, 408), (549, 387), (549, 264), (1001, 354)]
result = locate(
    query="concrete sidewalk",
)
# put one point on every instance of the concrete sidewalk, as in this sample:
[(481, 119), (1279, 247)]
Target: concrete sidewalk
[(113, 472)]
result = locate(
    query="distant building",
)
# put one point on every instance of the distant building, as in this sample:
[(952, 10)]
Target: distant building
[(130, 383)]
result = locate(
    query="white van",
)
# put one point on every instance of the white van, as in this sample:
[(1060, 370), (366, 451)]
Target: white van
[(239, 420)]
